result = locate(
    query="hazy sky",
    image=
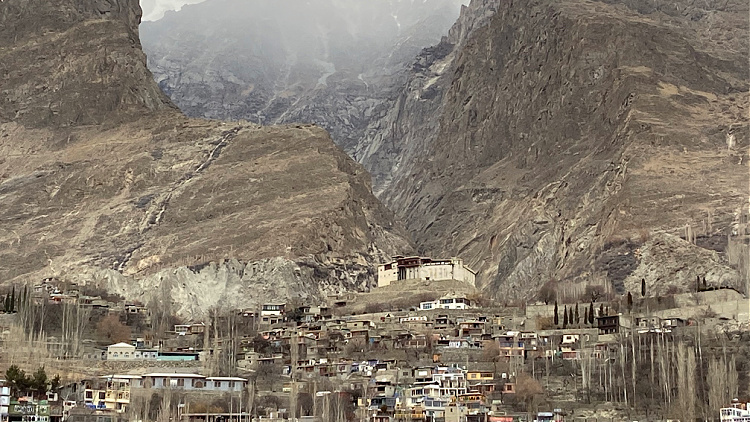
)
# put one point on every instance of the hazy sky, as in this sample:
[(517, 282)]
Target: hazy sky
[(154, 9)]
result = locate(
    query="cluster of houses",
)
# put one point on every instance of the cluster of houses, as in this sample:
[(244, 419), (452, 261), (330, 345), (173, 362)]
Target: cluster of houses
[(390, 392), (322, 345), (305, 343), (431, 393), (323, 335)]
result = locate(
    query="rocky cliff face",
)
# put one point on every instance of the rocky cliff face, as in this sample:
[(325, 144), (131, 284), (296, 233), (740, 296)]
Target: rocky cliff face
[(335, 63), (103, 180), (72, 63), (404, 132), (573, 140)]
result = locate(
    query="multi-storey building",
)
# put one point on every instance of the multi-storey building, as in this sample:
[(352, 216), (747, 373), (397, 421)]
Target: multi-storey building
[(420, 268)]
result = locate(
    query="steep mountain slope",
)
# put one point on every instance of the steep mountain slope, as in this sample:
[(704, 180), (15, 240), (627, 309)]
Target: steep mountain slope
[(103, 180), (73, 63), (335, 63), (563, 140)]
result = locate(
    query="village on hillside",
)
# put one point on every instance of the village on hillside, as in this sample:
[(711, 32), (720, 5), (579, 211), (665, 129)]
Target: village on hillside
[(422, 346)]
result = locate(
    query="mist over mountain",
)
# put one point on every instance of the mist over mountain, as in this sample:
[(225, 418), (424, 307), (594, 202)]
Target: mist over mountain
[(336, 63), (155, 9)]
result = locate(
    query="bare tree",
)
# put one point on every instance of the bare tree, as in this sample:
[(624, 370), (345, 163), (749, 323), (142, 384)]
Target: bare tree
[(113, 330), (722, 382), (529, 391), (686, 397)]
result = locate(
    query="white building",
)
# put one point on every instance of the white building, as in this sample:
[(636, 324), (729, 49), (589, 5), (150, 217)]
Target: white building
[(446, 302), (121, 351), (192, 382), (125, 351), (737, 413), (272, 309), (434, 388), (420, 268)]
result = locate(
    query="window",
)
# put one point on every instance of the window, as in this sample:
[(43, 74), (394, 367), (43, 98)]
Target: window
[(231, 384), (180, 382), (102, 394), (217, 384)]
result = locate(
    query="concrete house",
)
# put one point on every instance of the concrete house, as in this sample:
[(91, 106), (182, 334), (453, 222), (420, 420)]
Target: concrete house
[(272, 309), (511, 344), (121, 351), (609, 324), (470, 328), (475, 377), (128, 352), (193, 382), (446, 302), (189, 329)]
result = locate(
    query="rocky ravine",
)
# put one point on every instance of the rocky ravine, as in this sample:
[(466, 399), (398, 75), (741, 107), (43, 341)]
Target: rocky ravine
[(103, 180), (571, 140)]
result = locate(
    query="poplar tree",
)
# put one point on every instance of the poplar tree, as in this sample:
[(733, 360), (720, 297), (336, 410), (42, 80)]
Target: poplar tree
[(565, 317), (577, 316), (585, 315), (556, 317), (570, 315)]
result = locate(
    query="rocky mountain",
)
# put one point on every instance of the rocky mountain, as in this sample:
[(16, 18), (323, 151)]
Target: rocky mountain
[(103, 181), (335, 63), (588, 142)]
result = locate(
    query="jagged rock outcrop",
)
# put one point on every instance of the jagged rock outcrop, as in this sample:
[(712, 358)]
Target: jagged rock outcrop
[(540, 132), (72, 63), (103, 180), (338, 64)]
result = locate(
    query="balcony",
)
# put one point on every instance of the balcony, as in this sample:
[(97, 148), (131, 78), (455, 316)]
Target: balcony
[(407, 415)]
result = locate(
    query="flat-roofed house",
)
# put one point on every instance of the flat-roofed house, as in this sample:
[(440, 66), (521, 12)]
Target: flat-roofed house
[(121, 351)]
